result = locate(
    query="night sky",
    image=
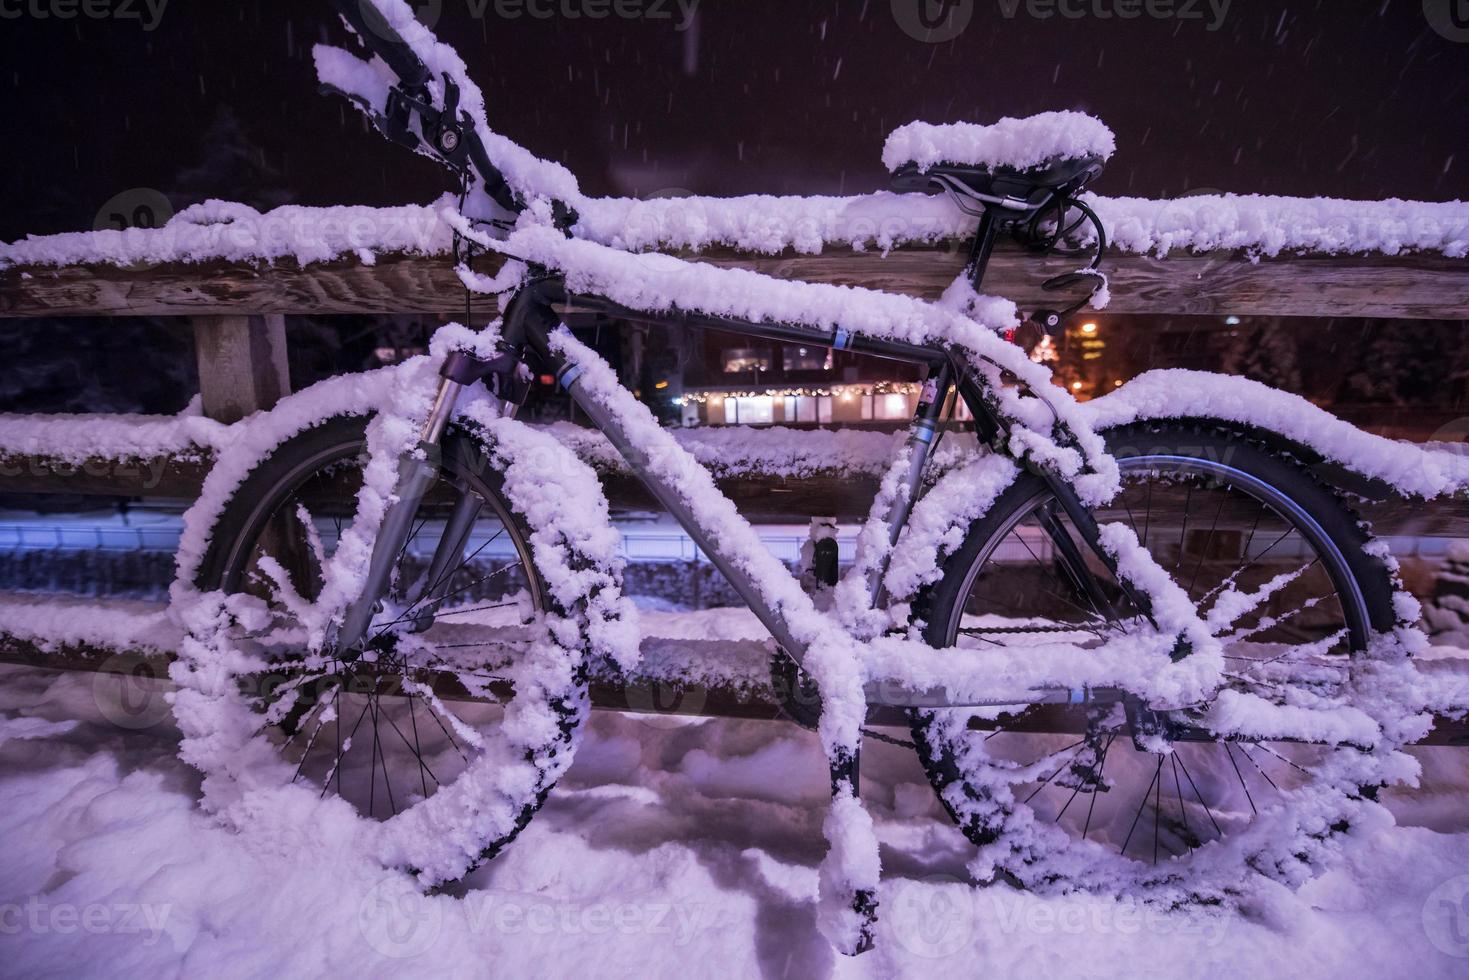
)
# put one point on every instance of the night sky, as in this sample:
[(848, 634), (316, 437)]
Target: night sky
[(1349, 99)]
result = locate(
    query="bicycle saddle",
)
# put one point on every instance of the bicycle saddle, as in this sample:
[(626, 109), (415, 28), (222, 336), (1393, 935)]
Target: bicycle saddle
[(1020, 164), (1023, 189)]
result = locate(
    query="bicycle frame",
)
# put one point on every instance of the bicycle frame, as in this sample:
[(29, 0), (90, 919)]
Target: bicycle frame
[(528, 322)]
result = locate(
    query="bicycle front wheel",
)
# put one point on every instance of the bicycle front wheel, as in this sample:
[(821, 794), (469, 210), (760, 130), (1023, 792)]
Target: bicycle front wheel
[(418, 710)]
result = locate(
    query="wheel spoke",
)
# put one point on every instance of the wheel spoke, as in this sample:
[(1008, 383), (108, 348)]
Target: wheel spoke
[(1092, 614), (1203, 552), (1046, 782), (1230, 752), (1101, 769), (1197, 795), (1183, 533), (1246, 752), (1142, 804), (1182, 810)]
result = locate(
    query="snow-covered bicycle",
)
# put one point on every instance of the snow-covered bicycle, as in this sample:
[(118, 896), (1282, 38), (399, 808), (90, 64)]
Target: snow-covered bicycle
[(1145, 651)]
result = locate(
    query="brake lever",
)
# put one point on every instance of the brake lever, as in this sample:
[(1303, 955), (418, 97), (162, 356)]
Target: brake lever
[(448, 133), (392, 125)]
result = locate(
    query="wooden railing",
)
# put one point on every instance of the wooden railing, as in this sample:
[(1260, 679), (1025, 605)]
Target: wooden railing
[(237, 313), (1409, 286)]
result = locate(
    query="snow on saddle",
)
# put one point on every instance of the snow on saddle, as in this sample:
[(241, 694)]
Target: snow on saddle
[(1017, 163)]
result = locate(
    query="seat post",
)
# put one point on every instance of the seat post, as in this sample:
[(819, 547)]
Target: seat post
[(981, 247)]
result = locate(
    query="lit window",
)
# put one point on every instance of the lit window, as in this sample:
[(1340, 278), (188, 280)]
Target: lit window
[(891, 406), (738, 359), (805, 359), (759, 410)]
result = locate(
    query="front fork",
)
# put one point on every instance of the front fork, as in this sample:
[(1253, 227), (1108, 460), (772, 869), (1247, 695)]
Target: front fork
[(417, 472)]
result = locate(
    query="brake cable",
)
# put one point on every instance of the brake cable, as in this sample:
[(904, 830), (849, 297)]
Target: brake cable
[(1052, 243)]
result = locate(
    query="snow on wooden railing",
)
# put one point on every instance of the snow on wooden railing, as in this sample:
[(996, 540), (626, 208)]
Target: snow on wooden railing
[(1405, 286)]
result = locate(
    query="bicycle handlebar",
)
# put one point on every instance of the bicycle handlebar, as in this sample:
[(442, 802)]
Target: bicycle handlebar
[(449, 134), (385, 42)]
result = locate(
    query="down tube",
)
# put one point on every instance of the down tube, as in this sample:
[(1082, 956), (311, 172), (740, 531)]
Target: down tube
[(611, 426)]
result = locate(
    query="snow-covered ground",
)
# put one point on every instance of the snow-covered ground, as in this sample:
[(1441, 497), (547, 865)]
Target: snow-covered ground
[(673, 848)]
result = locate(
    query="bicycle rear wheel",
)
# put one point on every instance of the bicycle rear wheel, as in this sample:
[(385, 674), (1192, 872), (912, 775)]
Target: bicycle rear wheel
[(1279, 569)]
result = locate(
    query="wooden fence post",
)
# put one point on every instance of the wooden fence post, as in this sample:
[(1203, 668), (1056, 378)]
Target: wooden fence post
[(242, 363)]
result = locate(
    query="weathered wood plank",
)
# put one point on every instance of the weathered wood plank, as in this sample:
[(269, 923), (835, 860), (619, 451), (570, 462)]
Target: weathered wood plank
[(242, 363), (164, 476), (636, 695), (843, 495), (1393, 287)]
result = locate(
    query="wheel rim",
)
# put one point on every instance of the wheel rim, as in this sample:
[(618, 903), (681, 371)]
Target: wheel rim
[(385, 726), (1224, 534)]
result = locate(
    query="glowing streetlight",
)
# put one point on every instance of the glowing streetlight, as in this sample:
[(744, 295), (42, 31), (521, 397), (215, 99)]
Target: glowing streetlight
[(1089, 328)]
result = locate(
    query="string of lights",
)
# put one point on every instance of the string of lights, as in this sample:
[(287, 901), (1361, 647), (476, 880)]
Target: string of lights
[(844, 392)]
